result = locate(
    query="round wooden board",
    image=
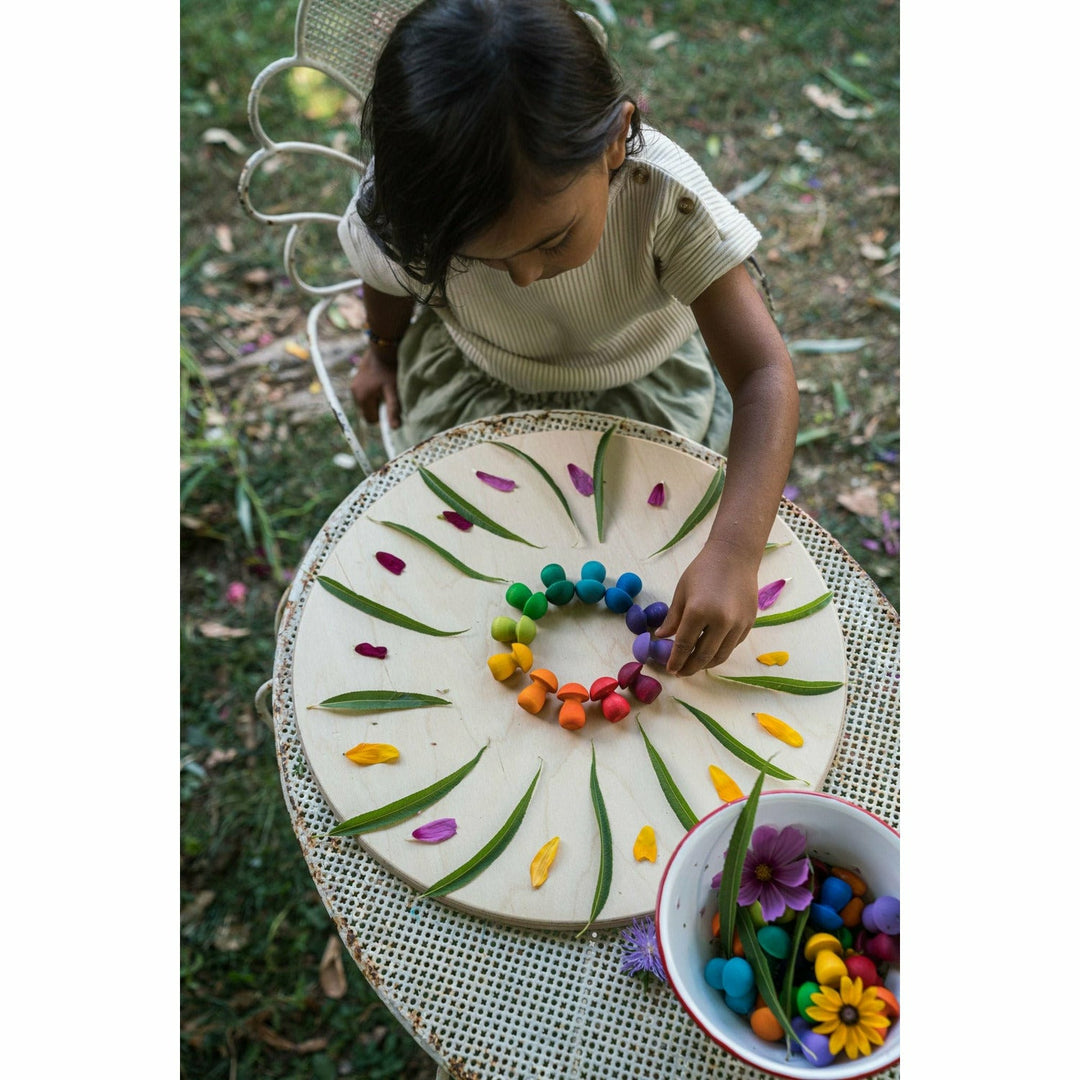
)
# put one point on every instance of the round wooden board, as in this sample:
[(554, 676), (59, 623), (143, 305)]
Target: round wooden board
[(578, 643)]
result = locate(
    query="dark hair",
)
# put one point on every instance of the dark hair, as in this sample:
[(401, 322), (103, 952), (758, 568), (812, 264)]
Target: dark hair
[(472, 100)]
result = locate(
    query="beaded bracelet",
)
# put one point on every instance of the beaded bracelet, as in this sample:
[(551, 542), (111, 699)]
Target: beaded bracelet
[(380, 342), (519, 634)]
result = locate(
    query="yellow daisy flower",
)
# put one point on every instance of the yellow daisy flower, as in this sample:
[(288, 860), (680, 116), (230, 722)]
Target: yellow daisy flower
[(851, 1017)]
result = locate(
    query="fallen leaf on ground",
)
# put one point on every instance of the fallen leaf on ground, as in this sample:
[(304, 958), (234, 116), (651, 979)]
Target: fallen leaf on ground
[(220, 135), (219, 630), (862, 501), (332, 971)]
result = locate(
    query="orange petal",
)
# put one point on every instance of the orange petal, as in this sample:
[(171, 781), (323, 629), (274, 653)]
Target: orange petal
[(772, 658), (645, 845), (372, 753), (779, 729), (726, 788), (542, 860)]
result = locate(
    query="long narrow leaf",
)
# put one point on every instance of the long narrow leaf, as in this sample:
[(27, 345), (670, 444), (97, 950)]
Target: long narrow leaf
[(488, 853), (743, 753), (687, 818), (363, 701), (546, 476), (849, 87), (803, 687), (603, 877), (763, 979), (466, 509), (392, 813), (428, 542), (370, 607), (728, 897), (797, 931), (598, 480), (795, 613), (706, 503)]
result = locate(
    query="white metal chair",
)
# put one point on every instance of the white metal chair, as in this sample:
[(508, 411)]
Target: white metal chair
[(342, 39)]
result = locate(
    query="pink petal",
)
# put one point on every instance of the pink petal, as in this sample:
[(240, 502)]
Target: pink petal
[(456, 520), (236, 593), (656, 496), (499, 482), (767, 594), (391, 562), (378, 652), (435, 832), (582, 480)]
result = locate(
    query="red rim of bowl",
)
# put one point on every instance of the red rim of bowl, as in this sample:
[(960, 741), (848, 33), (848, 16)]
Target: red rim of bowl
[(660, 945)]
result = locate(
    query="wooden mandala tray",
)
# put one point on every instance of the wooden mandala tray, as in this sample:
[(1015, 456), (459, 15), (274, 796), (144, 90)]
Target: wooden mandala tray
[(578, 643)]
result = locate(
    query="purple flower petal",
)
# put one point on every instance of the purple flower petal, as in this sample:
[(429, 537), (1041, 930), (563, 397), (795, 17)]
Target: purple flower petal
[(455, 519), (656, 496), (435, 832), (377, 652), (498, 482), (871, 545), (790, 492), (391, 562), (582, 480), (784, 846), (767, 594), (717, 877)]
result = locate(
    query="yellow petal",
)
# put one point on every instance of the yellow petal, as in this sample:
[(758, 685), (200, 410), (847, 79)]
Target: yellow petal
[(779, 729), (726, 788), (297, 350), (372, 753), (645, 845), (771, 658), (542, 860)]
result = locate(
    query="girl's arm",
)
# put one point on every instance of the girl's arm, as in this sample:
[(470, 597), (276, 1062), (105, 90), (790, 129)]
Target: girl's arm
[(715, 601), (375, 380)]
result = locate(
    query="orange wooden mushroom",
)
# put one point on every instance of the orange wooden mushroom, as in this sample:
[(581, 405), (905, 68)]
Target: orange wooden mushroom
[(542, 683), (572, 713)]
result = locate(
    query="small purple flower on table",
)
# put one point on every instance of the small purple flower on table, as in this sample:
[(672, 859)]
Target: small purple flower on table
[(775, 872), (435, 832), (641, 954), (582, 481)]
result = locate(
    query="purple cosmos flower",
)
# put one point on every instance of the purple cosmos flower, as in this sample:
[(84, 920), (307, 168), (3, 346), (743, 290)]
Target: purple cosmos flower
[(391, 562), (775, 871), (435, 832), (500, 483), (656, 496), (641, 954), (581, 479)]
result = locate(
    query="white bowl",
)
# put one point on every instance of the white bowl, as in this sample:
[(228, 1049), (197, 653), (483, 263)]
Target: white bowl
[(839, 833)]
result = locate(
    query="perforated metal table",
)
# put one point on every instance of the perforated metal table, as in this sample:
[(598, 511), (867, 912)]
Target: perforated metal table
[(494, 1001)]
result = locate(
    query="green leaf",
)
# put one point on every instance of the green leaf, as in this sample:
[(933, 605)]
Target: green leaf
[(466, 509), (707, 502), (392, 813), (841, 82), (743, 753), (598, 480), (687, 818), (772, 545), (728, 896), (603, 878), (488, 853), (763, 979), (812, 435), (361, 701), (804, 687), (546, 475), (370, 607), (427, 542), (796, 944), (795, 613)]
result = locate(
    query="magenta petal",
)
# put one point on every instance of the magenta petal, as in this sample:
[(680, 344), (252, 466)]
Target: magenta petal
[(767, 594), (391, 562), (499, 482), (656, 496), (456, 520), (785, 846), (378, 652), (772, 902), (435, 832), (582, 480)]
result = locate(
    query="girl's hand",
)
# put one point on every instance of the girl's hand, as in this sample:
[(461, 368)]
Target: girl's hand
[(375, 381), (713, 609)]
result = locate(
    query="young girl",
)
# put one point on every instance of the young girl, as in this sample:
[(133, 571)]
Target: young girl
[(565, 256)]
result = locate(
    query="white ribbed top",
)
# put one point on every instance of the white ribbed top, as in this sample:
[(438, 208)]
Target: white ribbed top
[(669, 234)]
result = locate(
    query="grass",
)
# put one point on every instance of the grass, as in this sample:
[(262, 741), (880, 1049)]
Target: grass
[(258, 470)]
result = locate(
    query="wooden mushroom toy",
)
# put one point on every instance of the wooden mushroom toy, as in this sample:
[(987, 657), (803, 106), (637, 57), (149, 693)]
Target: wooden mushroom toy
[(572, 713), (542, 683)]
